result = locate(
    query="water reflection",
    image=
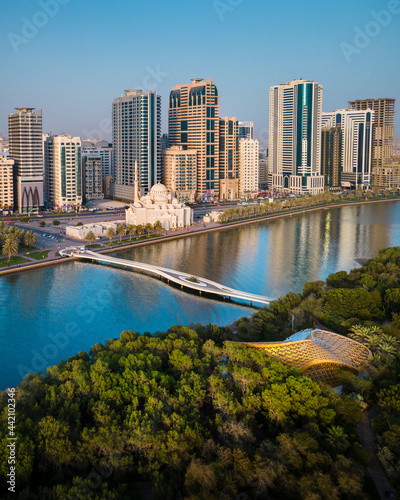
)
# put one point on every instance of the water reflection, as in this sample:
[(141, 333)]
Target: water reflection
[(37, 307)]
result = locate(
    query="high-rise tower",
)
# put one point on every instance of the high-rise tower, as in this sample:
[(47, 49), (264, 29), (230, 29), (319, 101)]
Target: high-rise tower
[(295, 136), (382, 149), (228, 159), (193, 123), (136, 119), (25, 135), (357, 128)]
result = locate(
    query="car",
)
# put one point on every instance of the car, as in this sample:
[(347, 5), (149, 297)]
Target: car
[(98, 238)]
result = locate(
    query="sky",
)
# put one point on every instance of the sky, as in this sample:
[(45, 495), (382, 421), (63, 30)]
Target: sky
[(71, 58)]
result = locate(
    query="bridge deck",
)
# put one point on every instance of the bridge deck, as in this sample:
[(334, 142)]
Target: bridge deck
[(178, 277)]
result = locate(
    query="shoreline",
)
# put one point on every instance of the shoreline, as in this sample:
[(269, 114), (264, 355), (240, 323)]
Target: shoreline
[(170, 237)]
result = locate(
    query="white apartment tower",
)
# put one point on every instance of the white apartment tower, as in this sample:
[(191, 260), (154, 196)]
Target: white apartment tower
[(63, 171), (357, 128), (136, 119), (295, 136), (25, 135), (248, 166)]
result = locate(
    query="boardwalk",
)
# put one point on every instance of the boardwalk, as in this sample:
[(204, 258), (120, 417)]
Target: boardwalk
[(186, 281)]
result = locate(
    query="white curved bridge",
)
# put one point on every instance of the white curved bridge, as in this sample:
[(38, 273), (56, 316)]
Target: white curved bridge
[(183, 279)]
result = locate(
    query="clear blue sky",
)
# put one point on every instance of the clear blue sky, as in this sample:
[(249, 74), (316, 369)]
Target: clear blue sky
[(90, 51)]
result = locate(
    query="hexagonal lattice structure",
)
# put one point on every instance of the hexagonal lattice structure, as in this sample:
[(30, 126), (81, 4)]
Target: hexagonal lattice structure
[(320, 355)]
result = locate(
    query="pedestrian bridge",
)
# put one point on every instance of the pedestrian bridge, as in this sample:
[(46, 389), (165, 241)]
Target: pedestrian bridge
[(184, 280)]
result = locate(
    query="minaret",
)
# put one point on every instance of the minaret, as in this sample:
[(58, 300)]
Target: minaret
[(136, 195), (173, 186)]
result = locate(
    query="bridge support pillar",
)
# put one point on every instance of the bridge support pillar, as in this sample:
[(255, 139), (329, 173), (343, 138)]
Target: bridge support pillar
[(251, 303), (200, 292), (181, 287)]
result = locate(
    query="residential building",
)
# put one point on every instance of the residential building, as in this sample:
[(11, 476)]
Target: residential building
[(193, 121), (356, 152), (63, 171), (331, 156), (384, 110), (25, 136), (246, 130), (136, 121), (295, 137), (92, 171), (228, 159), (180, 172), (248, 166), (6, 183), (105, 151)]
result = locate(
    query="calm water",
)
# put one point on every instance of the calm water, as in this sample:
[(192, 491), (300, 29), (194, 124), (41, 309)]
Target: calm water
[(49, 314)]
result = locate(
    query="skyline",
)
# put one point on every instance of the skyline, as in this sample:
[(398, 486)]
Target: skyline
[(75, 88)]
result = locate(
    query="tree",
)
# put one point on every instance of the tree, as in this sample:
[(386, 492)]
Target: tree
[(121, 231), (30, 239), (157, 226), (90, 237), (131, 229), (110, 234), (56, 223), (139, 229), (79, 224), (10, 246), (149, 227), (42, 223)]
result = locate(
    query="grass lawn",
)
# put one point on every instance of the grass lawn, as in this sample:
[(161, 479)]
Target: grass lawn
[(14, 260), (39, 255), (24, 249), (95, 245)]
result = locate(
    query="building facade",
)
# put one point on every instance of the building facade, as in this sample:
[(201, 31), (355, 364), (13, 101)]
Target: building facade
[(136, 121), (331, 156), (6, 184), (295, 136), (382, 147), (105, 150), (193, 122), (63, 171), (263, 174), (92, 171), (228, 159), (357, 128), (25, 136), (248, 166), (180, 172), (246, 130)]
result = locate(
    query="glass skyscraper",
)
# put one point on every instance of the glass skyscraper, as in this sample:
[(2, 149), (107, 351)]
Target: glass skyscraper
[(295, 136), (136, 119)]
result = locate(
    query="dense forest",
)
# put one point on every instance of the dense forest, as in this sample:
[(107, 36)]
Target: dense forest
[(187, 415)]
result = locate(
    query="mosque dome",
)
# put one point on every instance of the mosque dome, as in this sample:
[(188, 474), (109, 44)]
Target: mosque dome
[(159, 193)]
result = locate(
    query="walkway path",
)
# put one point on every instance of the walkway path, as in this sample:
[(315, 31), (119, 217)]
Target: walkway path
[(185, 280), (374, 470)]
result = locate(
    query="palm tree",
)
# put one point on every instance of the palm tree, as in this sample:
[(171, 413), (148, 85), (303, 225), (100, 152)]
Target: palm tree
[(30, 239), (121, 231), (140, 229), (157, 226), (149, 227), (110, 234), (90, 237), (131, 229), (10, 246)]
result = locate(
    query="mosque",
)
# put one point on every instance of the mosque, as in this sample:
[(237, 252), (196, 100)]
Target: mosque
[(158, 205)]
